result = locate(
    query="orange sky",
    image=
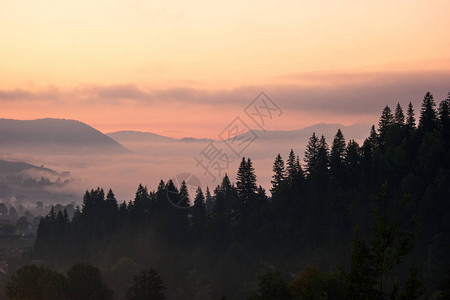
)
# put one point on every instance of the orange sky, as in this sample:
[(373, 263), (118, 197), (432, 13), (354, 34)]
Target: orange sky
[(187, 68)]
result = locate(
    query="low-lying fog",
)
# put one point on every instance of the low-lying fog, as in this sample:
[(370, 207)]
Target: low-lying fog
[(150, 161)]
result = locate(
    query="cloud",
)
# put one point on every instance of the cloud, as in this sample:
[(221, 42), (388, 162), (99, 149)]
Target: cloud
[(341, 93), (174, 95), (15, 94), (50, 93), (359, 93)]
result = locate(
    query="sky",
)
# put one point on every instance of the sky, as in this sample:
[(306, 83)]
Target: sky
[(188, 68)]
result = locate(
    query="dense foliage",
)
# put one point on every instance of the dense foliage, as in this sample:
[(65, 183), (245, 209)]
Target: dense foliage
[(214, 248), (83, 281)]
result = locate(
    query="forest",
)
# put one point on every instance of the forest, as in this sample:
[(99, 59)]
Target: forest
[(346, 221)]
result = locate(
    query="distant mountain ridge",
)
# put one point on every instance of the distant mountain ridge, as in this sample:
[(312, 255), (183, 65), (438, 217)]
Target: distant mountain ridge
[(355, 131), (55, 136), (150, 137)]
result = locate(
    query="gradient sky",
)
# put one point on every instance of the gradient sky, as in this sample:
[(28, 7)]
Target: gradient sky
[(187, 68)]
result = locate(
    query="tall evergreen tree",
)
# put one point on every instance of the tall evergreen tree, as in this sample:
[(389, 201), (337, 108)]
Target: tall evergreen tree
[(111, 211), (367, 151), (368, 147), (291, 168), (183, 195), (111, 202), (159, 199), (410, 119), (246, 184), (399, 117), (352, 162), (229, 193), (198, 212), (337, 155), (386, 120), (311, 153), (428, 116), (323, 160), (373, 136), (173, 193), (279, 173), (444, 119), (141, 203)]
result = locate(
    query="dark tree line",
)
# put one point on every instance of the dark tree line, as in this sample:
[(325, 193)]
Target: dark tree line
[(315, 205)]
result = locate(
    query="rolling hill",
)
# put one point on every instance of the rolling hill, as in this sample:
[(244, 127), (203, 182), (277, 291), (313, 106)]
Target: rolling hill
[(54, 136)]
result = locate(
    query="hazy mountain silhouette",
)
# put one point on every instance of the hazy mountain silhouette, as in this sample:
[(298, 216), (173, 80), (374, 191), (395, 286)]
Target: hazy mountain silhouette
[(355, 131), (138, 136), (55, 136), (11, 168), (149, 137)]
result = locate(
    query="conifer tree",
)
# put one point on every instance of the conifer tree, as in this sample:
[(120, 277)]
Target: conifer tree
[(428, 117), (279, 173), (229, 193), (373, 136), (352, 161), (160, 201), (323, 157), (111, 202), (141, 203), (183, 195), (399, 117), (337, 168), (246, 183), (444, 119), (173, 193), (198, 212), (410, 119), (386, 120), (368, 147), (311, 153), (111, 210), (293, 167)]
